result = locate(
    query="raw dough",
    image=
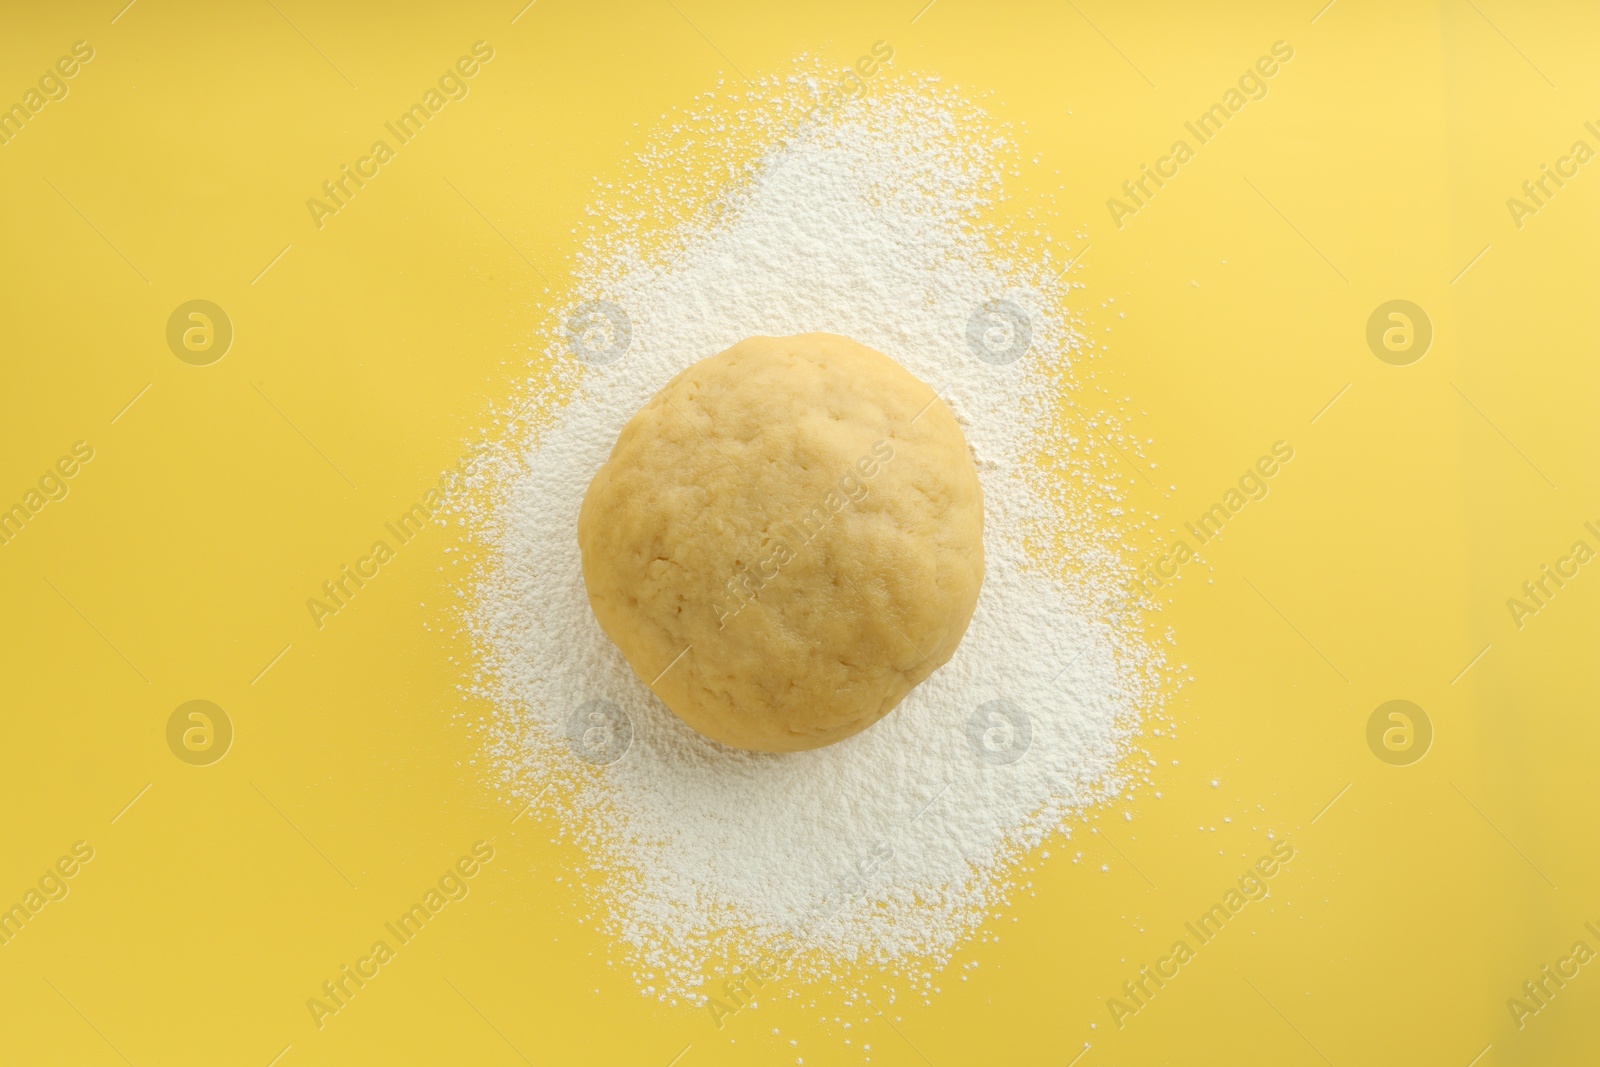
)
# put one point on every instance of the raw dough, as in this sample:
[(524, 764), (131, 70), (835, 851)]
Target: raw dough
[(785, 540)]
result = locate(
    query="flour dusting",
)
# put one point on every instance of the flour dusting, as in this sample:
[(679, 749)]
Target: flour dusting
[(777, 211)]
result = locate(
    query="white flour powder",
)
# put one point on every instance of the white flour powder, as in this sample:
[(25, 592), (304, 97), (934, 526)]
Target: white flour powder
[(865, 219)]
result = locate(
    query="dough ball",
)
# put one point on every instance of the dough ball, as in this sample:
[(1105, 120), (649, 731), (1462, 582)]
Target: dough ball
[(785, 540)]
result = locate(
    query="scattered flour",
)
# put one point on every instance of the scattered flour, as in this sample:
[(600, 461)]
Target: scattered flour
[(764, 212)]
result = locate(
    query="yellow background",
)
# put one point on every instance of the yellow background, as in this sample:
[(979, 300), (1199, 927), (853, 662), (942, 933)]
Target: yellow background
[(366, 359)]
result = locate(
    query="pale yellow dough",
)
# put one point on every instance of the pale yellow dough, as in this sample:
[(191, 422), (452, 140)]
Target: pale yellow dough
[(785, 540)]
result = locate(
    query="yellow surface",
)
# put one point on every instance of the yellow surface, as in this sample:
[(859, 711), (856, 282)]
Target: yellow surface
[(366, 358)]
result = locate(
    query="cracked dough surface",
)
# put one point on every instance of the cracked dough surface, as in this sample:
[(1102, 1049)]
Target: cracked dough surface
[(802, 516)]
